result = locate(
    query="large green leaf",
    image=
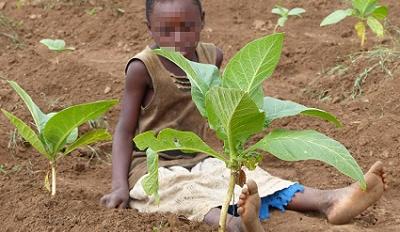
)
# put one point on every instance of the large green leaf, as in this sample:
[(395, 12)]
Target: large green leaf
[(201, 76), (27, 133), (38, 116), (380, 12), (233, 114), (275, 108), (253, 64), (89, 138), (305, 145), (375, 26), (60, 126), (258, 97), (336, 17), (71, 138), (150, 181), (170, 140)]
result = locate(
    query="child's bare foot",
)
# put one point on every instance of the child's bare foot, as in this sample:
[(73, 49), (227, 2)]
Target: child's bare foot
[(249, 207), (351, 201)]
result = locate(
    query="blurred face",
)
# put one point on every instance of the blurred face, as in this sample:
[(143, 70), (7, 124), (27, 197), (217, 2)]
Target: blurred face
[(176, 24)]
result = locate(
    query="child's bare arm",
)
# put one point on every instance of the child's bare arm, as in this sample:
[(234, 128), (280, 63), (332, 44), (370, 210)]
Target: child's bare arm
[(137, 83)]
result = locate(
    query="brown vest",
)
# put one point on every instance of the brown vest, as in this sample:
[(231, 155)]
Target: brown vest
[(170, 107)]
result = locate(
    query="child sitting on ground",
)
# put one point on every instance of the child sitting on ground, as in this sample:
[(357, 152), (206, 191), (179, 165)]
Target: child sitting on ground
[(157, 96)]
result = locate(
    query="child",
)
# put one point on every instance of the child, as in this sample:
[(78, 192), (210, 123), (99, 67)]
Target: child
[(157, 95)]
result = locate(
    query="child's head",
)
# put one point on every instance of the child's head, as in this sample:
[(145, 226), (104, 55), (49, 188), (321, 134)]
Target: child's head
[(175, 23)]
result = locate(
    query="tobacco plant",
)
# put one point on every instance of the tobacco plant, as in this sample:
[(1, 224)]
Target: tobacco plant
[(367, 12), (57, 132), (285, 13), (236, 109)]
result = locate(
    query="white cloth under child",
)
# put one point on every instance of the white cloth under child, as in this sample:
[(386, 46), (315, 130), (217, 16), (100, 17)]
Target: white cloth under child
[(192, 193)]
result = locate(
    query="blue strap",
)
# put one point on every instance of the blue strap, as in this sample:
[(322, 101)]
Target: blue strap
[(278, 200)]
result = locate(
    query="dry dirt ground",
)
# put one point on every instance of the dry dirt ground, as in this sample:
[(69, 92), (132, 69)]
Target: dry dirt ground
[(319, 67)]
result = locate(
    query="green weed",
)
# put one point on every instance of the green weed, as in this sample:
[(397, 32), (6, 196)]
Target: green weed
[(8, 29), (382, 59)]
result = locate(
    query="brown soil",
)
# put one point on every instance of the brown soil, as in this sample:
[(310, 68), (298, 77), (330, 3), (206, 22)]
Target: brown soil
[(106, 40)]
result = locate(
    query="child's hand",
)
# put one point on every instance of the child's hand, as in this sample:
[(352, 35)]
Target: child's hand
[(118, 198)]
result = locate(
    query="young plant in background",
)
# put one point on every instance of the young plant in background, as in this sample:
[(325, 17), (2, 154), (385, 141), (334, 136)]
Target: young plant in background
[(285, 13), (236, 109), (91, 11), (367, 12), (57, 45), (57, 133)]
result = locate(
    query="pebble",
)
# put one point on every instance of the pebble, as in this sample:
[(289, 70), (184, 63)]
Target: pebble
[(107, 90), (34, 16), (258, 24), (336, 100), (2, 5), (386, 154)]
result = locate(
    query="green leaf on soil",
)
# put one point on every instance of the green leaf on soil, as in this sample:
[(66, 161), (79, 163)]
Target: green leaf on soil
[(55, 45)]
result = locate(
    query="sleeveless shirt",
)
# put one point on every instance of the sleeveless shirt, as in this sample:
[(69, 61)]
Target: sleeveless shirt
[(171, 106)]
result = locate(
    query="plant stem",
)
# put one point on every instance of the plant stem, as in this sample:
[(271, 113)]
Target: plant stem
[(53, 178), (363, 40), (276, 28), (228, 197)]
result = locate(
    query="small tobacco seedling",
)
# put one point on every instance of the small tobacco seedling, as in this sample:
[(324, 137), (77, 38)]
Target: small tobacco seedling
[(91, 11), (367, 12), (236, 110), (285, 13), (57, 132), (57, 45)]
